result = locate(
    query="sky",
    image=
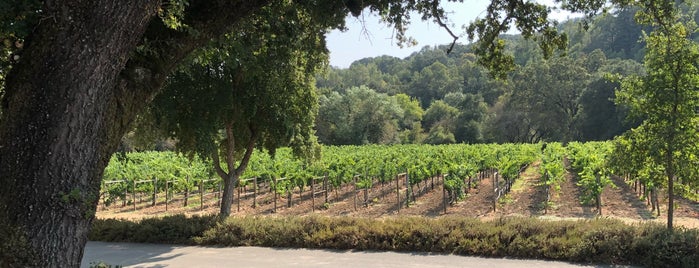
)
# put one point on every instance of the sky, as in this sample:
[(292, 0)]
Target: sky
[(368, 37)]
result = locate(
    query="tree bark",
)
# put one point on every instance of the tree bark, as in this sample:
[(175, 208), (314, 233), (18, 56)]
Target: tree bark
[(231, 178), (74, 93), (229, 184), (54, 142)]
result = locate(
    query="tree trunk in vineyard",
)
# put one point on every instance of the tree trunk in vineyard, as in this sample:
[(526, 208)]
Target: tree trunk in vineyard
[(228, 194), (656, 202), (67, 104), (232, 176)]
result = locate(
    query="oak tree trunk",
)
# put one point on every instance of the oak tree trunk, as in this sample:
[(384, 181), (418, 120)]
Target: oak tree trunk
[(78, 86), (55, 138)]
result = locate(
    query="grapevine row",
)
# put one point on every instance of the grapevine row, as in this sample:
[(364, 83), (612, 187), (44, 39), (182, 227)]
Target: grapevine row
[(552, 170), (361, 166)]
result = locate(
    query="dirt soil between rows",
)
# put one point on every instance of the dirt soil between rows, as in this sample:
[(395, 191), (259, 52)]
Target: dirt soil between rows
[(526, 199)]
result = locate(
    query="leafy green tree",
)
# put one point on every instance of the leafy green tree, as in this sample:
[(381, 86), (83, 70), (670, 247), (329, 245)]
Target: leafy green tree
[(377, 73), (386, 64), (600, 118), (454, 99), (410, 124), (414, 135), (472, 112), (376, 116), (366, 75), (512, 123), (412, 112), (330, 79), (440, 134), (667, 97), (551, 90), (332, 121), (526, 51), (440, 111), (360, 116), (476, 80), (440, 118), (426, 57), (617, 34), (255, 90), (432, 83)]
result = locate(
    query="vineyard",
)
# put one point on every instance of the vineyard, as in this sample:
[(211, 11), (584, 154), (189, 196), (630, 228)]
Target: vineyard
[(476, 180)]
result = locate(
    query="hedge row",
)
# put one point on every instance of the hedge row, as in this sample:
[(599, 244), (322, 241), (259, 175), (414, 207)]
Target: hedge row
[(585, 241)]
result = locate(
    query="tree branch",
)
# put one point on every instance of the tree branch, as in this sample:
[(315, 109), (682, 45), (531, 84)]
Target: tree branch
[(162, 49), (254, 136), (438, 19), (217, 165), (230, 148)]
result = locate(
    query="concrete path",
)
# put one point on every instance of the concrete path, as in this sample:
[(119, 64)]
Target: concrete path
[(153, 255)]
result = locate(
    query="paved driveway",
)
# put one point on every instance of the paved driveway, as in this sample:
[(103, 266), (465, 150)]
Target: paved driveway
[(154, 255)]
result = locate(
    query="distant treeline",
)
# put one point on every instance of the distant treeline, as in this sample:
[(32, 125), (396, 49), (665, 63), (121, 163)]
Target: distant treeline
[(434, 97)]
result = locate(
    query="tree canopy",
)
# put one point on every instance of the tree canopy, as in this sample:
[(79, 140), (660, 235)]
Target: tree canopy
[(254, 88)]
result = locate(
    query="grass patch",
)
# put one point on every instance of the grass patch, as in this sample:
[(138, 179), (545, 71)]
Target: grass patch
[(585, 241), (505, 200), (530, 173)]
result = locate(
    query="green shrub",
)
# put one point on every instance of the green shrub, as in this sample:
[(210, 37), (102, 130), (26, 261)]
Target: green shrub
[(586, 241), (176, 229), (658, 247)]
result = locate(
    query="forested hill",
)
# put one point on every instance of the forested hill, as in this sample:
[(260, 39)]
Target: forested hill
[(435, 97)]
